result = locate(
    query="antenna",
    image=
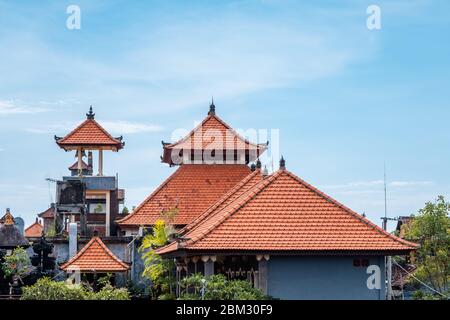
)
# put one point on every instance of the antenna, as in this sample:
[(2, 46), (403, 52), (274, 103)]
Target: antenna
[(385, 200)]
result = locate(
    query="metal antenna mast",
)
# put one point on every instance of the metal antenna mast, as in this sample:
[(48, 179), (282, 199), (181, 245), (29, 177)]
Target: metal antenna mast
[(388, 260)]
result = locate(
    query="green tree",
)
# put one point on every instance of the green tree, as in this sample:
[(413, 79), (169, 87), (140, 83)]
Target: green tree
[(17, 264), (157, 269), (431, 228)]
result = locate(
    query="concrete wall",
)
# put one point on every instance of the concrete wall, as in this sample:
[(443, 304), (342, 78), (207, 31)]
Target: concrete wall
[(322, 278)]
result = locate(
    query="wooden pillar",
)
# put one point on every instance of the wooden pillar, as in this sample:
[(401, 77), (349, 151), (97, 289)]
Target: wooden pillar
[(100, 162), (263, 271), (80, 159)]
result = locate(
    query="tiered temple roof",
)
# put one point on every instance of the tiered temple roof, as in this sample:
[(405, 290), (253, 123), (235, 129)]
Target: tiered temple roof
[(211, 137), (95, 257), (90, 135), (283, 213), (10, 236), (196, 185)]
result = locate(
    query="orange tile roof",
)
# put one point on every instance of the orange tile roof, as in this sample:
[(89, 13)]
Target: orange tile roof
[(192, 188), (95, 257), (34, 231), (284, 213), (84, 166), (90, 134), (213, 134), (49, 213)]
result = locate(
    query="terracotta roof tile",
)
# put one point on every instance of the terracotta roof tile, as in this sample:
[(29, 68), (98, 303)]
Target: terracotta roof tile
[(95, 256), (213, 134), (192, 188), (89, 133), (49, 213), (284, 213), (74, 166), (34, 231)]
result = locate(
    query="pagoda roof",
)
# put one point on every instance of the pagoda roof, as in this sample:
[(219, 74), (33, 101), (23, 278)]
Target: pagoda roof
[(95, 257), (191, 189), (84, 166), (10, 236), (34, 230), (49, 213), (91, 135), (282, 213), (213, 134)]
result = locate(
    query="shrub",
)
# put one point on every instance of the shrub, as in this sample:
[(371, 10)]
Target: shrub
[(47, 289), (217, 287)]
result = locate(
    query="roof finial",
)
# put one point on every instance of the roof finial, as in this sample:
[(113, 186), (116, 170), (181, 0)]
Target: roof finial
[(265, 172), (8, 218), (253, 167), (212, 107), (258, 164), (282, 163), (90, 114)]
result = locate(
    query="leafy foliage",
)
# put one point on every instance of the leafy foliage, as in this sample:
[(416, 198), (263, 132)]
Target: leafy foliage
[(47, 289), (217, 287), (157, 269), (17, 263), (431, 228), (51, 231)]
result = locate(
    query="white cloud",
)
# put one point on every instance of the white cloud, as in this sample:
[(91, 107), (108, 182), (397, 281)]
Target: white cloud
[(411, 183), (377, 183), (113, 127), (11, 107), (127, 127), (357, 184)]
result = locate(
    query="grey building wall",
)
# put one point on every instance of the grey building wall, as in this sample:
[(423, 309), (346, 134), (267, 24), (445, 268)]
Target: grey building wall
[(322, 278)]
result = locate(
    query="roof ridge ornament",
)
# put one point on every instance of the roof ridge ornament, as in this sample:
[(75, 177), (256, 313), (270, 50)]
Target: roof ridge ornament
[(212, 108), (282, 163), (258, 164), (8, 218), (90, 115)]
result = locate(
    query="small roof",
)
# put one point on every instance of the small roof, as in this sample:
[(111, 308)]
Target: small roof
[(212, 134), (95, 257), (35, 230), (10, 236), (192, 188), (91, 135), (84, 166), (49, 213), (282, 213)]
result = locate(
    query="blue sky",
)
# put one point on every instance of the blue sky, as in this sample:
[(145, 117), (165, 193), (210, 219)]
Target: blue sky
[(345, 99)]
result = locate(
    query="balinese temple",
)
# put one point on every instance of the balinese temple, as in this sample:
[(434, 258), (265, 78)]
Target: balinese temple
[(91, 200), (35, 230), (211, 160), (10, 235)]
